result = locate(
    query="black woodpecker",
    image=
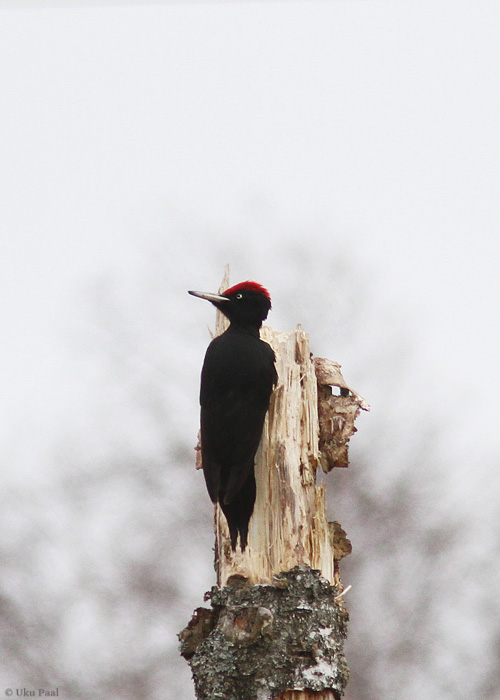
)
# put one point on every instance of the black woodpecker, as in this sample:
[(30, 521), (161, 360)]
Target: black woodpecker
[(237, 380)]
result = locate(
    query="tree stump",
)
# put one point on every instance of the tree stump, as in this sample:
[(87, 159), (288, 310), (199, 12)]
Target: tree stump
[(277, 624)]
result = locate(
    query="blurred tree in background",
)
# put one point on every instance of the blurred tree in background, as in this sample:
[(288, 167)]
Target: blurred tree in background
[(105, 560)]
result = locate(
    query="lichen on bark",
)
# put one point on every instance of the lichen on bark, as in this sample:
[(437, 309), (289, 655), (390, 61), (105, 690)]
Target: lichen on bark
[(265, 639)]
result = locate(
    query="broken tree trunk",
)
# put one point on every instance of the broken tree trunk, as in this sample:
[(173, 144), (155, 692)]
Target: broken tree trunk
[(277, 624)]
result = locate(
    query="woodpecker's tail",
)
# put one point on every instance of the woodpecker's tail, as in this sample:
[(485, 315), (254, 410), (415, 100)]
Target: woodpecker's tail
[(239, 511)]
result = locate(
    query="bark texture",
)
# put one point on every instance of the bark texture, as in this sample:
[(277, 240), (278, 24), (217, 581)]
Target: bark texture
[(267, 639)]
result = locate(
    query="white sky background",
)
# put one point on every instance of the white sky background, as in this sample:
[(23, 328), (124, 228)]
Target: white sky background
[(123, 127)]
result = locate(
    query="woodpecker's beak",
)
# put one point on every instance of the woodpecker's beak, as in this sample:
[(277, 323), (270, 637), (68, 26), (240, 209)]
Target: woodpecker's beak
[(209, 297)]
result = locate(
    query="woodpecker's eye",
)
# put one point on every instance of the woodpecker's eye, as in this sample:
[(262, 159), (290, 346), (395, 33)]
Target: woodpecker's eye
[(239, 296)]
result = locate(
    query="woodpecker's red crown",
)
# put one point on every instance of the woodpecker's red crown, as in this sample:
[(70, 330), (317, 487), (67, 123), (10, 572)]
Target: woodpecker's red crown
[(248, 286)]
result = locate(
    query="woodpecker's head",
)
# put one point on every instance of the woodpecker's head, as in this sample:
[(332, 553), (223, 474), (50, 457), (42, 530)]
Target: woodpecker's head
[(245, 304)]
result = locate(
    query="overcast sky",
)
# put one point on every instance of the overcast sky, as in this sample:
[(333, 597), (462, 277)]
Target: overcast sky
[(377, 121)]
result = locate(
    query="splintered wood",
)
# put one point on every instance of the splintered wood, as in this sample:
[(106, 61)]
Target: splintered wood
[(289, 524), (336, 414)]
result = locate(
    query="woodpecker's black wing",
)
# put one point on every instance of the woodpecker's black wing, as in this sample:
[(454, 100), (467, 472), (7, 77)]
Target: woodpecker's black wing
[(237, 381)]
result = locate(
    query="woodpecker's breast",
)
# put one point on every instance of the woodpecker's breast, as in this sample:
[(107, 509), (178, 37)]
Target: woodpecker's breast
[(237, 363)]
